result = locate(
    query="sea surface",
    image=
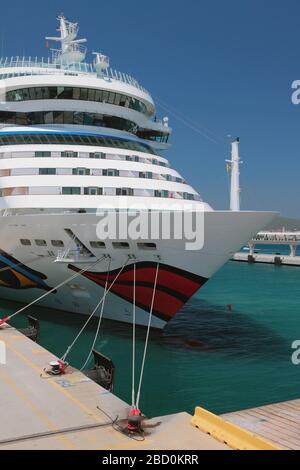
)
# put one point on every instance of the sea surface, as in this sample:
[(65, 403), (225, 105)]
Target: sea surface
[(228, 349)]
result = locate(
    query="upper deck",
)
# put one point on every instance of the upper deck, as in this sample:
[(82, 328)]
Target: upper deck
[(18, 66)]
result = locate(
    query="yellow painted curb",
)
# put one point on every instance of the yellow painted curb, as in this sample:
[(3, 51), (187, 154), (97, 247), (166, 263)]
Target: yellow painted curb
[(228, 433)]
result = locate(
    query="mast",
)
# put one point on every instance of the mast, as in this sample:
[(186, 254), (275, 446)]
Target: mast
[(71, 49), (235, 176)]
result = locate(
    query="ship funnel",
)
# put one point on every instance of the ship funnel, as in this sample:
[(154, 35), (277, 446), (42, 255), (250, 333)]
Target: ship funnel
[(233, 166)]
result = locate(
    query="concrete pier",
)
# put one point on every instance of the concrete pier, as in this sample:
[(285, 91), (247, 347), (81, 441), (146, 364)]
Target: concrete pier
[(61, 412), (275, 238), (267, 259)]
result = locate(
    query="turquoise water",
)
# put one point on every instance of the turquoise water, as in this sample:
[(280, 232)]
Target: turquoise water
[(209, 356)]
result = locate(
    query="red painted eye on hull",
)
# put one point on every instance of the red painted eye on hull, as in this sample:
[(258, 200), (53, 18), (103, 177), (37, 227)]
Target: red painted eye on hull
[(173, 290)]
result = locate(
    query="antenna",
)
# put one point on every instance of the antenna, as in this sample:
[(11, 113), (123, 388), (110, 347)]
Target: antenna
[(71, 50), (234, 165), (101, 62)]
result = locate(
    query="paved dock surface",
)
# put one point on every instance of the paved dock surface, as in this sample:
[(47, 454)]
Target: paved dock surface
[(65, 408), (278, 423)]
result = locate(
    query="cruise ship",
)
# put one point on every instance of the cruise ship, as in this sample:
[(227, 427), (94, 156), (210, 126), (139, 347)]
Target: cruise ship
[(79, 139)]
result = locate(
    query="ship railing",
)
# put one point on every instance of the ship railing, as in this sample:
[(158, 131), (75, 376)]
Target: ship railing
[(58, 54), (78, 67)]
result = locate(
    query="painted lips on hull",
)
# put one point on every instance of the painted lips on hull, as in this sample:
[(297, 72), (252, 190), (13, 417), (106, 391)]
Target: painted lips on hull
[(174, 286)]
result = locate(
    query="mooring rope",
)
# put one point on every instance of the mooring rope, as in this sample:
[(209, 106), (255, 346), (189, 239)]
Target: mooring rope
[(93, 312), (147, 339), (100, 316), (4, 320), (133, 339)]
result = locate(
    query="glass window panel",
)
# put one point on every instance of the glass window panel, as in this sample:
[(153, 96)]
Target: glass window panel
[(111, 98), (53, 92), (48, 117), (59, 243), (32, 93), (97, 244), (123, 100), (60, 91), (120, 245), (146, 246), (91, 94), (40, 242), (47, 171), (70, 190), (25, 241), (105, 96), (76, 93), (98, 95), (93, 191), (68, 117), (26, 95), (67, 93), (83, 94), (78, 118), (88, 119), (58, 117), (117, 99), (38, 93)]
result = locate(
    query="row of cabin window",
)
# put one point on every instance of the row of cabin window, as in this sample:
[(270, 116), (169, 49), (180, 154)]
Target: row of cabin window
[(68, 117), (104, 156), (93, 244), (76, 93), (90, 172), (96, 191), (95, 155), (75, 139)]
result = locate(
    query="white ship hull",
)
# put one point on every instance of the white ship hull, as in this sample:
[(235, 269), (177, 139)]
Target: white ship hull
[(26, 272)]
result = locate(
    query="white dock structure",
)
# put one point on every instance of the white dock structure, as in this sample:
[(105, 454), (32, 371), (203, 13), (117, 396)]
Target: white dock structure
[(287, 238)]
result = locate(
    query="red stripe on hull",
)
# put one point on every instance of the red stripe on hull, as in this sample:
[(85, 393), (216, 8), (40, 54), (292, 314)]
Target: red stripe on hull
[(174, 286)]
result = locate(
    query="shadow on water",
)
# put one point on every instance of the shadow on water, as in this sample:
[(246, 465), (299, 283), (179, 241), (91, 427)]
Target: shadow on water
[(199, 326), (215, 328)]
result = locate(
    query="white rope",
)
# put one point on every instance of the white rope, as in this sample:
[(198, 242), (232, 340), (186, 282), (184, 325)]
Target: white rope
[(147, 339), (133, 339), (100, 316), (55, 288), (93, 312)]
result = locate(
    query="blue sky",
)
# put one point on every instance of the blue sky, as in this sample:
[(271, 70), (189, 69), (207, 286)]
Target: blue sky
[(225, 67)]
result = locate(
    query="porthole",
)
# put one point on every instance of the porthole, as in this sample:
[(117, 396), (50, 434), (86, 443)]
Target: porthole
[(147, 246), (25, 241), (40, 242), (59, 243), (120, 245), (97, 244)]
